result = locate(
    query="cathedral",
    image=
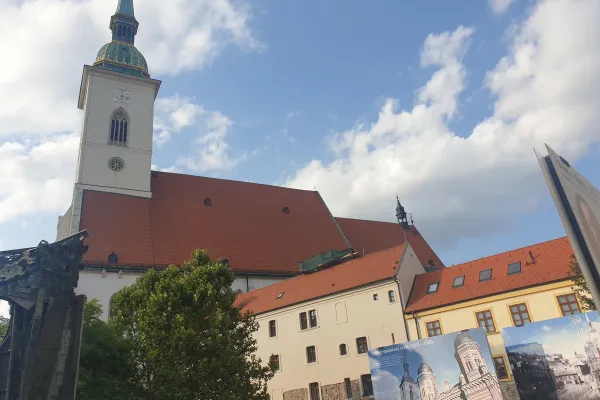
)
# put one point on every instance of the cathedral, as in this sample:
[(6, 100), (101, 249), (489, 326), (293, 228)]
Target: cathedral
[(475, 381), (138, 219)]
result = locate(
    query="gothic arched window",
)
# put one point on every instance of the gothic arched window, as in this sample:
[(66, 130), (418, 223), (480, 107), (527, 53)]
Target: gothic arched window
[(119, 124)]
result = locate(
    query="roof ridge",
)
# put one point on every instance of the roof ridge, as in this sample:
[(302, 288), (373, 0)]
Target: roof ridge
[(234, 180)]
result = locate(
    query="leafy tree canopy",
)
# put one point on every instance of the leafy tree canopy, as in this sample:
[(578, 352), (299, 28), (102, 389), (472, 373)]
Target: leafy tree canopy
[(106, 368), (581, 289), (188, 339)]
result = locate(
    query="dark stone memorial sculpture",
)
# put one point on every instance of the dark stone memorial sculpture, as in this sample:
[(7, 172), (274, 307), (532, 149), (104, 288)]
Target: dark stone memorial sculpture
[(39, 355)]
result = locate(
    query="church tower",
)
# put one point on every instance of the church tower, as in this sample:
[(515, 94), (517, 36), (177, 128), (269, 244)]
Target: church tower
[(117, 98)]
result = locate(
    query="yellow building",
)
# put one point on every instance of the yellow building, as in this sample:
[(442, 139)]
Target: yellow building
[(318, 326), (507, 289)]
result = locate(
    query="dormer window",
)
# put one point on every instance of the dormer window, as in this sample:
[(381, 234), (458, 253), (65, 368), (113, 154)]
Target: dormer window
[(514, 268), (286, 210), (113, 259), (458, 281), (433, 287), (119, 128), (207, 202), (485, 275)]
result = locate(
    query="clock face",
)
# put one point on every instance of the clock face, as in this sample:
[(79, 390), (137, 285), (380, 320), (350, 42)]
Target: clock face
[(126, 97)]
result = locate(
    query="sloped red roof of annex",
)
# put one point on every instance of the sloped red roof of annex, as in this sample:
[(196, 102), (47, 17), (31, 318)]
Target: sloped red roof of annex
[(370, 236), (552, 259), (245, 224), (367, 269)]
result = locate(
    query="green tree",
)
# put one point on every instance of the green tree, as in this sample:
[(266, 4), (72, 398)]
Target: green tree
[(189, 339), (581, 289), (106, 368), (4, 323)]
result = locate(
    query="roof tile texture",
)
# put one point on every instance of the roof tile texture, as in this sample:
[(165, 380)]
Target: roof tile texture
[(551, 264), (361, 271)]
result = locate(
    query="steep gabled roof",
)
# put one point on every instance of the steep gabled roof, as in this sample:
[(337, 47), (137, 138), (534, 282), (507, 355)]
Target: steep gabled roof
[(245, 223), (551, 264), (370, 236), (361, 271)]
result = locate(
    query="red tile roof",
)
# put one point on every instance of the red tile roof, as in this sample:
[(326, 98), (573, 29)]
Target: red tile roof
[(245, 224), (551, 264), (371, 236), (361, 271)]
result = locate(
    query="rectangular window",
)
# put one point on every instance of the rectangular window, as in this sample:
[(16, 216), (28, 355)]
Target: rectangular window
[(361, 345), (272, 328), (568, 304), (275, 362), (303, 321), (392, 296), (458, 281), (348, 385), (520, 315), (343, 349), (514, 268), (432, 288), (485, 275), (486, 321), (367, 385), (312, 316), (434, 328), (311, 354), (314, 391), (375, 297), (500, 366)]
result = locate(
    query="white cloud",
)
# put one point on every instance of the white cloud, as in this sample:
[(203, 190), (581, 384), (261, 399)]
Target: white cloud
[(546, 90), (500, 6), (51, 40), (36, 175), (211, 152), (172, 114), (386, 385)]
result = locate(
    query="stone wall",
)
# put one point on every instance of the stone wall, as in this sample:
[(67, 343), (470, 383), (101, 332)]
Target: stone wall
[(296, 394), (509, 390), (337, 391)]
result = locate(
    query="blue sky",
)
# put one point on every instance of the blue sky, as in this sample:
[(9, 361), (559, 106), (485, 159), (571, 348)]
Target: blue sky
[(387, 362), (439, 104)]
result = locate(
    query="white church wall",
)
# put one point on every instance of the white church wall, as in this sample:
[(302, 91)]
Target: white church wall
[(94, 286)]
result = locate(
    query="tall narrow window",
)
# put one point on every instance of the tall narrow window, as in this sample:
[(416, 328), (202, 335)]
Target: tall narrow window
[(119, 126), (312, 317), (392, 296), (314, 391), (311, 354), (303, 321), (343, 349), (361, 345), (348, 385), (272, 328), (275, 362), (500, 366), (367, 385)]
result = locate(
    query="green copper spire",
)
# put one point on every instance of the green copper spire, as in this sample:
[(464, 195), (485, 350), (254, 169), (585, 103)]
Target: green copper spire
[(125, 7)]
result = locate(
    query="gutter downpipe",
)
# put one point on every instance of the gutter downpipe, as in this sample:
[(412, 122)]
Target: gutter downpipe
[(417, 325)]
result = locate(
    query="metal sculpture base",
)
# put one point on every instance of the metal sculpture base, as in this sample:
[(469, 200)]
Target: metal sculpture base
[(39, 355)]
